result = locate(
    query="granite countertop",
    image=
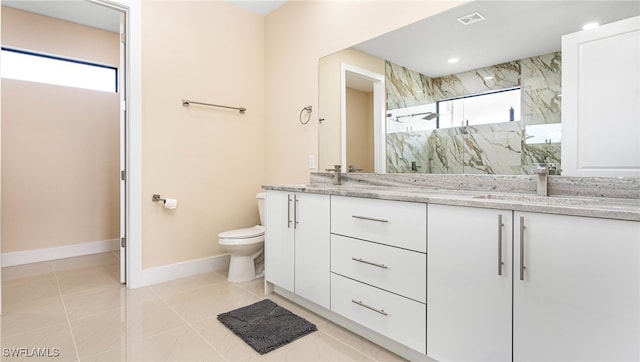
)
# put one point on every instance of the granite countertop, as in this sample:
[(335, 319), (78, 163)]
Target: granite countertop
[(600, 207)]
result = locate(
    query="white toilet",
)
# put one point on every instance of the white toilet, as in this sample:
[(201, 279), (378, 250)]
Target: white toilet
[(245, 245)]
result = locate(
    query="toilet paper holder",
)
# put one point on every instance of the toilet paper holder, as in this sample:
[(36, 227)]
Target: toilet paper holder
[(156, 198)]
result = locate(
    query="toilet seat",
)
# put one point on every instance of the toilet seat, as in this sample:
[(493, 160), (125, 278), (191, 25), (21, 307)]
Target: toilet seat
[(242, 236), (242, 233)]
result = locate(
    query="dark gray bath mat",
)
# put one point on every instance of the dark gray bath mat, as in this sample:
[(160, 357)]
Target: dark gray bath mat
[(265, 325)]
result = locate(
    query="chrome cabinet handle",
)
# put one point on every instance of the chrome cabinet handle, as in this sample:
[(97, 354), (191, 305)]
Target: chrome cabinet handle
[(360, 260), (359, 302), (288, 211), (522, 267), (500, 262), (368, 218), (295, 211)]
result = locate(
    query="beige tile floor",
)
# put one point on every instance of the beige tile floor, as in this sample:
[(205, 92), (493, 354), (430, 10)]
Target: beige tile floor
[(76, 310)]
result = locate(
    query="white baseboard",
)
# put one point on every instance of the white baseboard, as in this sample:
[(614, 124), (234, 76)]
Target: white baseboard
[(184, 269), (58, 252)]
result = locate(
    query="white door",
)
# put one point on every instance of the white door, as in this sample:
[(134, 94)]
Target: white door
[(123, 147), (579, 295), (469, 267)]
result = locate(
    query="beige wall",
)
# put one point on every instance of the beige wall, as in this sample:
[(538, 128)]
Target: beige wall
[(60, 145), (296, 35), (360, 129), (28, 31), (211, 160)]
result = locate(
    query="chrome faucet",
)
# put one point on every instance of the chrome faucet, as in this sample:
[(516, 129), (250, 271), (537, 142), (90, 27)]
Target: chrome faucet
[(542, 171), (337, 174)]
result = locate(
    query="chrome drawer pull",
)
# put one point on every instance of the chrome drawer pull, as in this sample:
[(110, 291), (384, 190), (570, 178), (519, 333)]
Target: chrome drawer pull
[(288, 211), (522, 267), (360, 260), (295, 211), (500, 262), (368, 218), (359, 302)]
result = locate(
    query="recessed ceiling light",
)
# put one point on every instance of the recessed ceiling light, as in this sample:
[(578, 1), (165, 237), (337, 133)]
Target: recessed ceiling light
[(471, 18), (488, 78), (453, 60), (590, 26)]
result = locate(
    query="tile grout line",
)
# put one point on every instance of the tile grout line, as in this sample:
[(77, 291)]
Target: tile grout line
[(66, 314), (190, 326), (347, 344)]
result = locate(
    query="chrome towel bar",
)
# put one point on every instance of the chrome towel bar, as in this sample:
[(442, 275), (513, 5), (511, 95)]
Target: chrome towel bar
[(186, 103)]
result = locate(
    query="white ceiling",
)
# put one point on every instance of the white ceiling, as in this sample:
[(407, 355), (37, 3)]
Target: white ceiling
[(102, 17), (80, 12), (511, 30), (262, 7)]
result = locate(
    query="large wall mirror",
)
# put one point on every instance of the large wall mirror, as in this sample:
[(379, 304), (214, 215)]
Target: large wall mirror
[(475, 89)]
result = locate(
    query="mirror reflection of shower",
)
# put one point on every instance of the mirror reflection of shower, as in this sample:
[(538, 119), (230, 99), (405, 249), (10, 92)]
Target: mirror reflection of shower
[(483, 108), (418, 118)]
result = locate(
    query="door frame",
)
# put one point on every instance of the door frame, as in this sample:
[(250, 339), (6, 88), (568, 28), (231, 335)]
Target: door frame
[(133, 140), (379, 131)]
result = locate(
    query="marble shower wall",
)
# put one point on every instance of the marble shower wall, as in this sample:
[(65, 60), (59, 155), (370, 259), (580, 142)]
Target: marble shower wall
[(505, 75), (406, 87), (458, 150), (499, 148), (541, 88)]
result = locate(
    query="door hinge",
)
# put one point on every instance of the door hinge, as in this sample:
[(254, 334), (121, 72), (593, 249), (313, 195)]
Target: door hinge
[(123, 38), (123, 242), (123, 105), (123, 175)]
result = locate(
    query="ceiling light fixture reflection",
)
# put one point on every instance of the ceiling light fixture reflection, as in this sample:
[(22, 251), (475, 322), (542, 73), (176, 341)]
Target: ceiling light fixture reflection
[(488, 78), (471, 18), (590, 26)]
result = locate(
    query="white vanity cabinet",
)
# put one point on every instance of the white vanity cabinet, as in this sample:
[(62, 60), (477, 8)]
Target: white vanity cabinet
[(579, 295), (297, 244), (576, 286), (378, 266), (469, 283)]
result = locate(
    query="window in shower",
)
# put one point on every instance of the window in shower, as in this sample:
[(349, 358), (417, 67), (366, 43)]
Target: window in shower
[(484, 108)]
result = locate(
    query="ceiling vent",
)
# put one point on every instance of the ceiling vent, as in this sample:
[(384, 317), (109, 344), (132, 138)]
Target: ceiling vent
[(471, 18)]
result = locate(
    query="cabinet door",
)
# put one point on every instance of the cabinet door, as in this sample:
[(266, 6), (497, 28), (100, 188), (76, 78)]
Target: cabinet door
[(278, 244), (601, 100), (312, 264), (579, 297), (468, 294)]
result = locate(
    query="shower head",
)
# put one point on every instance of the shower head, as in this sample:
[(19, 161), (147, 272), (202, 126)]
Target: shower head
[(430, 116)]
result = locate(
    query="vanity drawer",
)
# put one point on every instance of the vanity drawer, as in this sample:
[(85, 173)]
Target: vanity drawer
[(393, 316), (397, 270), (396, 223)]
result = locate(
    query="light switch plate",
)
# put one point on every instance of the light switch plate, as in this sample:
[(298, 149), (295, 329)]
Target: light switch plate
[(312, 161)]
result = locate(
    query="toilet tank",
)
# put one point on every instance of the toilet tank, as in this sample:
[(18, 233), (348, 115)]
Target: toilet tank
[(260, 197)]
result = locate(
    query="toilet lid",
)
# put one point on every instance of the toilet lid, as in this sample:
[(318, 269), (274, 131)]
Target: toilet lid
[(251, 232)]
